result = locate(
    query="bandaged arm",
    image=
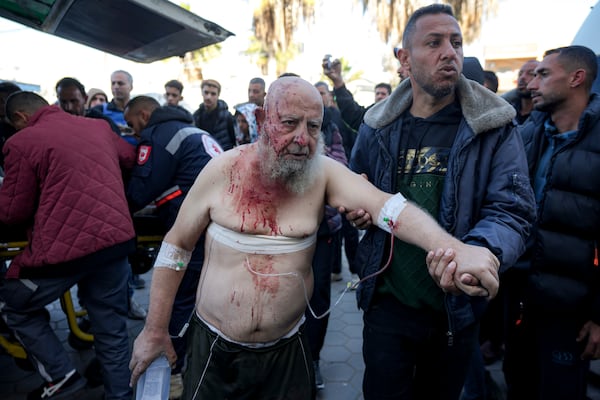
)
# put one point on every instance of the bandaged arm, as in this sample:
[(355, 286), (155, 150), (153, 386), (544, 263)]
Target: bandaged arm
[(172, 257), (414, 225), (390, 212)]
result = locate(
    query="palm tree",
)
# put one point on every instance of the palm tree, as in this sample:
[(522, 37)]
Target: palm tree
[(274, 25), (192, 60), (391, 16), (275, 21)]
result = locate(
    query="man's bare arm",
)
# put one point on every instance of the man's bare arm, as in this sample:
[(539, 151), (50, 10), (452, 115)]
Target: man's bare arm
[(154, 339), (192, 219)]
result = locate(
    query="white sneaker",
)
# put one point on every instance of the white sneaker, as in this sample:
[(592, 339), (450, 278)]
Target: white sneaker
[(136, 311)]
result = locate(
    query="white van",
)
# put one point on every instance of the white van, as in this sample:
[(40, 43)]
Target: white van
[(589, 36)]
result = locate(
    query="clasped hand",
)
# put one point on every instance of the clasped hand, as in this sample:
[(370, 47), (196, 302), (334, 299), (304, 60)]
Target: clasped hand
[(465, 268)]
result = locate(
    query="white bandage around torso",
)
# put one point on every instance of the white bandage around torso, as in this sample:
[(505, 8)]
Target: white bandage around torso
[(172, 257), (390, 211), (259, 244)]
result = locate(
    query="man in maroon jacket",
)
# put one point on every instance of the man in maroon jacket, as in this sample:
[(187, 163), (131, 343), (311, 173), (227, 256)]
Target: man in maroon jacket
[(63, 181)]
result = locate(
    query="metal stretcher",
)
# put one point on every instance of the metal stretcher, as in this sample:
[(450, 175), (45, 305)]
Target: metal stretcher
[(13, 240)]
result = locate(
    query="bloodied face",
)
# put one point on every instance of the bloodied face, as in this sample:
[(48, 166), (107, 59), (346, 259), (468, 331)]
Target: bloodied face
[(292, 133)]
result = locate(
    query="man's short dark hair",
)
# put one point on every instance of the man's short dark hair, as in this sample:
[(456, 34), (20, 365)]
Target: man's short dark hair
[(211, 83), (174, 83), (28, 102), (410, 27), (384, 85), (9, 87), (492, 80), (67, 82), (127, 74), (258, 80), (575, 57), (142, 102), (324, 84), (473, 70)]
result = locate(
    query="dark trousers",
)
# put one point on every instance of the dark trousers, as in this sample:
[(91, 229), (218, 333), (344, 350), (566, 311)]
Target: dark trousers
[(542, 358), (407, 355), (104, 292), (219, 369), (492, 330), (323, 259)]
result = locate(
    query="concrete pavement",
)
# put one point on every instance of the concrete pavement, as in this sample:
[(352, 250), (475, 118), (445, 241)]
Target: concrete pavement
[(341, 358)]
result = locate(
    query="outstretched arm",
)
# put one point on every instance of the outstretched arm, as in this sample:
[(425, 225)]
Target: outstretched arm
[(415, 226)]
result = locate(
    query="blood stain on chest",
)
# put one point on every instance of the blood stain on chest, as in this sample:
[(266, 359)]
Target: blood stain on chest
[(255, 203)]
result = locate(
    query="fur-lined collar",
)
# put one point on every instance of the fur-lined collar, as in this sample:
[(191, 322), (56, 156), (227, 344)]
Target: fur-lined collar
[(482, 109)]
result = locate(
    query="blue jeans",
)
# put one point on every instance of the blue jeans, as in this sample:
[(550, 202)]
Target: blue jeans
[(475, 386), (407, 355), (104, 292)]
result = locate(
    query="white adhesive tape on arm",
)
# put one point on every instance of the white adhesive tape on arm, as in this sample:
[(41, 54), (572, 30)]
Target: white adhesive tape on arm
[(172, 257), (390, 212)]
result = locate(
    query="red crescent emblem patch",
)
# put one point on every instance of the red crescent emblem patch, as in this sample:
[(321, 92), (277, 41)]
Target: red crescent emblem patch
[(143, 154), (211, 146)]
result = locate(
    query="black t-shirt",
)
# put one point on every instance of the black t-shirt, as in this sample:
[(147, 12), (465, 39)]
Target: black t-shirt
[(425, 146)]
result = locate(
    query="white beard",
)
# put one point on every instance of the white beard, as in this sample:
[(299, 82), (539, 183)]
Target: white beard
[(296, 175)]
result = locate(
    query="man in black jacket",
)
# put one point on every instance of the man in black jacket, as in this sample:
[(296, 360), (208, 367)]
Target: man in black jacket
[(213, 115), (553, 292), (352, 112)]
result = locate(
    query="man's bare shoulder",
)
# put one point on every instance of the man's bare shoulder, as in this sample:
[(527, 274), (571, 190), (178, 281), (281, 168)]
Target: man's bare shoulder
[(223, 163)]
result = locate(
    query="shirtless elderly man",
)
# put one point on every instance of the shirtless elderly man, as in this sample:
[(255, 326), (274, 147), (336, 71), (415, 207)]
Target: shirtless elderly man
[(261, 205)]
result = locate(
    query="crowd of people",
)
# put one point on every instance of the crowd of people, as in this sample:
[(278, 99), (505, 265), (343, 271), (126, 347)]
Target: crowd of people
[(469, 221)]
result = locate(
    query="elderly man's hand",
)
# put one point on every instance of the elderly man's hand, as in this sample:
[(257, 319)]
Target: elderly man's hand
[(148, 346)]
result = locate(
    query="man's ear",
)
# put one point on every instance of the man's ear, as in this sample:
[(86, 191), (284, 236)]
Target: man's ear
[(19, 116), (577, 78), (146, 116), (259, 113), (402, 56)]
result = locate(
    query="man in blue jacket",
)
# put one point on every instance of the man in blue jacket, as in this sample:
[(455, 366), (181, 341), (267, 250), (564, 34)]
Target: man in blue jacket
[(447, 144), (171, 153)]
